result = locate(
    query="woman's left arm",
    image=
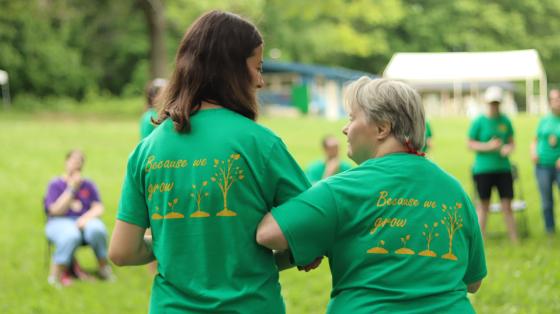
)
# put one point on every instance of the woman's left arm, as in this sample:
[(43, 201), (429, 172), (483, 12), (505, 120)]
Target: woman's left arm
[(129, 246)]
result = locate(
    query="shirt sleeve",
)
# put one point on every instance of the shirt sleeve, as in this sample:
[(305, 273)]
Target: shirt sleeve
[(476, 268), (309, 223), (132, 206), (285, 179), (53, 193), (539, 131), (474, 130), (94, 192), (510, 129)]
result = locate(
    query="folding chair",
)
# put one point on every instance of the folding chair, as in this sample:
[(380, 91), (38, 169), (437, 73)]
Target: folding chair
[(49, 248)]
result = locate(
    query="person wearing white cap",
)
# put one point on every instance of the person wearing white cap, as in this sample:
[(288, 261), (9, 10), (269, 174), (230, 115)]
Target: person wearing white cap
[(491, 137)]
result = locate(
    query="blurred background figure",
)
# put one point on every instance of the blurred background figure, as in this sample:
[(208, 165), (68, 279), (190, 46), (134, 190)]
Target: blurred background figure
[(73, 208), (330, 165), (428, 138), (491, 137), (153, 89), (545, 152)]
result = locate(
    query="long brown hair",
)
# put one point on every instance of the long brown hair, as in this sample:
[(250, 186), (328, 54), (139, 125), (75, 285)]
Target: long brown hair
[(211, 65)]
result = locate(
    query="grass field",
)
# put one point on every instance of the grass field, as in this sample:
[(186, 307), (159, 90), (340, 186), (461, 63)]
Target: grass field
[(522, 279)]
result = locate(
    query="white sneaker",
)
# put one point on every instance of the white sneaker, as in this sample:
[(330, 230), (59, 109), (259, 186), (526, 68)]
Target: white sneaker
[(106, 273)]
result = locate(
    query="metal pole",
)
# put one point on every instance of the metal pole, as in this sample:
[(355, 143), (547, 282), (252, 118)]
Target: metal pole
[(6, 94), (529, 96), (543, 100)]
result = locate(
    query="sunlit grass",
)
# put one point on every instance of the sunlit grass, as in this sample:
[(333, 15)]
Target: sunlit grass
[(522, 279)]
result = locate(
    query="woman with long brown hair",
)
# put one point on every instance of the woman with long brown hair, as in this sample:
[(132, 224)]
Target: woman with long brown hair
[(205, 177)]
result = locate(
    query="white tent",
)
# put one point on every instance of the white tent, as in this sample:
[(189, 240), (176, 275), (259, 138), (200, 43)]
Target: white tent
[(5, 88), (473, 67)]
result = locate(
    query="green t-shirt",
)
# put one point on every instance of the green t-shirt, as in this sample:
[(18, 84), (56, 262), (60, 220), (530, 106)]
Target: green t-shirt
[(146, 125), (548, 140), (316, 170), (483, 129), (427, 135), (203, 194), (400, 234)]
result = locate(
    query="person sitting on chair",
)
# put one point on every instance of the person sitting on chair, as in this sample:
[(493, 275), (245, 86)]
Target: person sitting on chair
[(73, 208)]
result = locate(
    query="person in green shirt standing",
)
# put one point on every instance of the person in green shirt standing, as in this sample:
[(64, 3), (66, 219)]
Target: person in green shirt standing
[(545, 152), (153, 89), (491, 137), (205, 178), (401, 234), (331, 165)]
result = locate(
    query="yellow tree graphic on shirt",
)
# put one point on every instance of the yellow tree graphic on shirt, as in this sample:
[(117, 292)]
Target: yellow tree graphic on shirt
[(198, 194), (452, 222), (429, 234), (404, 249), (172, 214), (226, 174)]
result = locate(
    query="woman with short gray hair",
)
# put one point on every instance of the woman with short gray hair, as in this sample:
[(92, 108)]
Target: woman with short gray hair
[(390, 101), (401, 234)]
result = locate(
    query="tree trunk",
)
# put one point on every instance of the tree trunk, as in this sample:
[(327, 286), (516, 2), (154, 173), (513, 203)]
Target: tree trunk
[(154, 11)]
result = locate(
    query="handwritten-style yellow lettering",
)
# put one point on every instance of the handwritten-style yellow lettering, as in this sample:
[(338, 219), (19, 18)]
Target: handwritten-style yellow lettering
[(159, 187), (430, 204), (152, 164), (199, 162), (385, 200), (382, 200), (391, 222)]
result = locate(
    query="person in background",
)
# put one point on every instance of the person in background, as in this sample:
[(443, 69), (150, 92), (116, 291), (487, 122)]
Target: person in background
[(401, 234), (204, 179), (545, 153), (153, 89), (428, 143), (73, 208), (491, 137), (330, 165)]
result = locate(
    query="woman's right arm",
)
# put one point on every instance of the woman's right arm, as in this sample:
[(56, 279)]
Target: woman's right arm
[(492, 145), (129, 246), (62, 203)]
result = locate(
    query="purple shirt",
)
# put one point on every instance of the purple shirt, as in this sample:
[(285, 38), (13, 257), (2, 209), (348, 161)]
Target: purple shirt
[(81, 203)]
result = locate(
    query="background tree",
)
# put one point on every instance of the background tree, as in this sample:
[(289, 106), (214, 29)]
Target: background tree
[(78, 48), (154, 10)]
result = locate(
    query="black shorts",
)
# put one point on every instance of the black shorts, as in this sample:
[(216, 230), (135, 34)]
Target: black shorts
[(501, 180)]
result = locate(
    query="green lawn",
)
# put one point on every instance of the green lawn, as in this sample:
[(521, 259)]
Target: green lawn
[(522, 279)]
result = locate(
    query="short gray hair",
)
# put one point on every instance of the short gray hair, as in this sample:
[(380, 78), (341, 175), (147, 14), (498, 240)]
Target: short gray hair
[(395, 102)]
